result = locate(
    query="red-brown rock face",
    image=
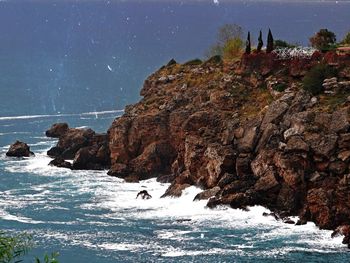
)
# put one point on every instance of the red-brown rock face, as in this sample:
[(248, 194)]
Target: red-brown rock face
[(217, 126)]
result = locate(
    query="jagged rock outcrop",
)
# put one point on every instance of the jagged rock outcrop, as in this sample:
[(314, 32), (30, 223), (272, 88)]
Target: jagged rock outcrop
[(57, 130), (217, 126), (87, 149), (19, 149)]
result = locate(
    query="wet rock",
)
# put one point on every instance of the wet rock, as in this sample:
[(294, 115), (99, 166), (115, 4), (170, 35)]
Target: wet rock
[(19, 149), (343, 230), (54, 152), (288, 199), (301, 222), (175, 190), (167, 178), (288, 221), (237, 187), (119, 170), (207, 194), (143, 194), (272, 214), (57, 130), (60, 162), (318, 201)]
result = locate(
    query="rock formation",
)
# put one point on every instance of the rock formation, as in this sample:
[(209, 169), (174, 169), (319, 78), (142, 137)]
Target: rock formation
[(87, 149), (217, 126), (19, 149), (245, 132)]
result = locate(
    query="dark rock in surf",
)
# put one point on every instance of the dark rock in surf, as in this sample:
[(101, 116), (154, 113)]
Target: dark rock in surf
[(144, 195), (60, 162), (57, 130), (207, 194), (87, 149), (19, 149)]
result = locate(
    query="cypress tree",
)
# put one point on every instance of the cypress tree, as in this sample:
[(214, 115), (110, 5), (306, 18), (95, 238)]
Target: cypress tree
[(269, 46), (260, 42), (248, 44)]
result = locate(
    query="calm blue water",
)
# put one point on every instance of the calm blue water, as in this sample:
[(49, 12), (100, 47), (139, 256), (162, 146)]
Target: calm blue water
[(81, 61)]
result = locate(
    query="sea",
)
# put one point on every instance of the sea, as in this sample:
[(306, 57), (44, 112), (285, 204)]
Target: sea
[(81, 62)]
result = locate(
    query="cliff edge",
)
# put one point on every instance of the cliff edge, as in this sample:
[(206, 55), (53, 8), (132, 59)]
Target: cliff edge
[(246, 132)]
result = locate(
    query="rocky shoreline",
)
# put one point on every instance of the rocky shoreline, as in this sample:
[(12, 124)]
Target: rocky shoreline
[(231, 129)]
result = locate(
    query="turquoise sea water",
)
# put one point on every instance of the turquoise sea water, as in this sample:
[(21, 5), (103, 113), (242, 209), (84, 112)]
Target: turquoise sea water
[(90, 217)]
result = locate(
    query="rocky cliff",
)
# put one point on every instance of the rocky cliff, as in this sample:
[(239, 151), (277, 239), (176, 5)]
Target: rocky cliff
[(245, 132)]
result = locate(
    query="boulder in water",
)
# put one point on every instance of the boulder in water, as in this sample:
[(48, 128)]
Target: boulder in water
[(60, 162), (144, 195), (19, 149)]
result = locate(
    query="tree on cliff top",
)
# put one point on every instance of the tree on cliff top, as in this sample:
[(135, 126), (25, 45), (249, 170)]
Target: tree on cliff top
[(248, 44), (323, 40), (260, 42), (229, 36), (269, 46)]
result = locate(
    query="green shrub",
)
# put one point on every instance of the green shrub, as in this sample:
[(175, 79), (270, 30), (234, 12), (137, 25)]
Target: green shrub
[(233, 48), (323, 40), (313, 80), (280, 87), (12, 248)]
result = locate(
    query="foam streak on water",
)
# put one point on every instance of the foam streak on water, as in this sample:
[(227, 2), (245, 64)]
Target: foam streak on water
[(25, 117)]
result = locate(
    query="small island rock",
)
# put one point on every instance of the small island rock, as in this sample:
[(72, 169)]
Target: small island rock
[(19, 149)]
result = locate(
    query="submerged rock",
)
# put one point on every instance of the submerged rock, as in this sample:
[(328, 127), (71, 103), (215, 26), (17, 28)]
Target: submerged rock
[(19, 149)]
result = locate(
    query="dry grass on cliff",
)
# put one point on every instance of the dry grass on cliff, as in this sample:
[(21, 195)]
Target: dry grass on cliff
[(330, 103)]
